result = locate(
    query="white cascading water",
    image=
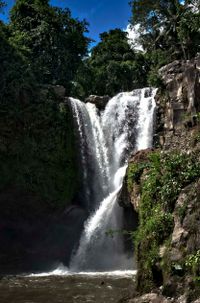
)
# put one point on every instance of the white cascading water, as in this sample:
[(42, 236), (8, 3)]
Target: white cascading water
[(106, 141)]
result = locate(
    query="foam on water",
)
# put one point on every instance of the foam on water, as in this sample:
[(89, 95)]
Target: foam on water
[(106, 140), (64, 271)]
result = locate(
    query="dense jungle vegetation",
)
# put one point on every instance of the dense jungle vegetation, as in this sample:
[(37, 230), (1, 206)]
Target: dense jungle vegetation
[(42, 46)]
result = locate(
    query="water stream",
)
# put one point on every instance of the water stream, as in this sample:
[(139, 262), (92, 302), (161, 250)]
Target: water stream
[(100, 269), (125, 126), (58, 288)]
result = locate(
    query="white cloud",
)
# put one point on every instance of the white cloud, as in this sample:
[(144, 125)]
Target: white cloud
[(133, 35)]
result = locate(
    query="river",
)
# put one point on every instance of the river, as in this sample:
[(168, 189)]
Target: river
[(70, 288)]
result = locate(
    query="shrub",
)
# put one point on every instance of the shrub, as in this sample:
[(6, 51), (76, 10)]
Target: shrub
[(161, 178)]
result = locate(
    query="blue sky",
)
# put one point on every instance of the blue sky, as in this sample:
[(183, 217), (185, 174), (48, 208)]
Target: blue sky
[(101, 14)]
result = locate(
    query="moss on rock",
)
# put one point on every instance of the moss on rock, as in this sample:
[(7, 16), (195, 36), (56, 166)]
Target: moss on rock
[(161, 178)]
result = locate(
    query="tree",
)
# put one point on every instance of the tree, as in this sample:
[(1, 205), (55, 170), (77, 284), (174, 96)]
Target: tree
[(51, 40), (36, 131), (16, 77), (166, 25), (188, 29), (113, 66)]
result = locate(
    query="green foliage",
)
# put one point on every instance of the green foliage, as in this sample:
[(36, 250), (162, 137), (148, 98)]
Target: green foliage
[(134, 173), (36, 151), (193, 263), (16, 78), (112, 67), (157, 226), (154, 79), (155, 59), (83, 81), (52, 41), (188, 32), (179, 170), (196, 138), (41, 45), (161, 179), (167, 174), (180, 27)]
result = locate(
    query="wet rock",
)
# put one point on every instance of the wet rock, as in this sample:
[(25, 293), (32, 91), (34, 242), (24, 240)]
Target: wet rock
[(182, 299), (177, 107), (141, 155), (99, 101), (131, 197), (150, 298), (124, 198), (182, 84), (176, 130), (175, 255), (185, 236)]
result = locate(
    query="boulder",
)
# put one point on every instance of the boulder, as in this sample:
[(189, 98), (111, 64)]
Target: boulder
[(99, 101)]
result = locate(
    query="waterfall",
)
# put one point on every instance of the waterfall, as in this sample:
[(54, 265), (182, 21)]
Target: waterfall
[(106, 140), (93, 152)]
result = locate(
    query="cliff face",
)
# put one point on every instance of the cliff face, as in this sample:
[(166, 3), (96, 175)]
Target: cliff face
[(178, 105), (38, 182), (163, 185)]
